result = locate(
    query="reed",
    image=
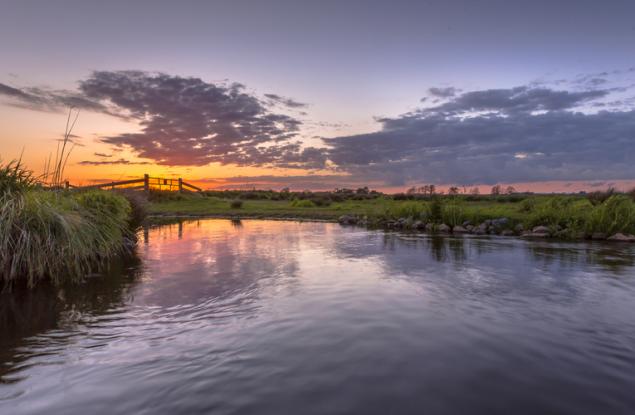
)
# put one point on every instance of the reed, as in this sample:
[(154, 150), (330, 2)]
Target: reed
[(58, 235)]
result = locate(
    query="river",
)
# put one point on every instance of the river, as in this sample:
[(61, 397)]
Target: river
[(273, 317)]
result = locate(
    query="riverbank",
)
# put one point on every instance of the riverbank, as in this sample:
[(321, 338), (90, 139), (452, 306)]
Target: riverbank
[(56, 234), (572, 217), (60, 235)]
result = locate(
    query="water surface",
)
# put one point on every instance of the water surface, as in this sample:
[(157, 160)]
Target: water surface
[(272, 317)]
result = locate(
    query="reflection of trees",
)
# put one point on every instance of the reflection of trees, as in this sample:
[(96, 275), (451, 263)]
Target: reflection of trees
[(493, 251), (25, 314), (615, 258)]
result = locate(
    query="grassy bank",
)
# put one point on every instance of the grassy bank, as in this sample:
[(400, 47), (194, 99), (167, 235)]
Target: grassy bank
[(54, 234), (565, 216)]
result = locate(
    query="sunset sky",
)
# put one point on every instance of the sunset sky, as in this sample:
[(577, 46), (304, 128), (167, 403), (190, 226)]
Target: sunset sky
[(325, 94)]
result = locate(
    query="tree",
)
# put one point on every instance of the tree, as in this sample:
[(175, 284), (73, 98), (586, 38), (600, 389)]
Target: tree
[(453, 190), (496, 190), (510, 190), (474, 191)]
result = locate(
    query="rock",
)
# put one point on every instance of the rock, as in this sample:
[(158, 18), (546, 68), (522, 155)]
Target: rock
[(519, 228), (620, 237), (507, 232), (418, 225), (500, 222), (598, 236), (430, 227), (443, 228), (459, 229), (469, 228), (481, 229), (467, 223), (347, 220), (541, 230)]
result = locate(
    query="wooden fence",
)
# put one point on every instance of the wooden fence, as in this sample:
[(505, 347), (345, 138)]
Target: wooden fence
[(145, 183)]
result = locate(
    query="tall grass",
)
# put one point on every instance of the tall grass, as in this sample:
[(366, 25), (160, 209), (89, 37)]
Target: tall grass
[(14, 178), (55, 234), (616, 214)]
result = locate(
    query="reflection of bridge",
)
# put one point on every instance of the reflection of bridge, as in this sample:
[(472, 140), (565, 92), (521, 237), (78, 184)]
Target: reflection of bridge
[(145, 183)]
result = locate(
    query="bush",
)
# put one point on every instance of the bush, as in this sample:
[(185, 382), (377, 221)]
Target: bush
[(436, 210), (236, 204), (159, 196), (453, 214), (600, 196), (304, 203)]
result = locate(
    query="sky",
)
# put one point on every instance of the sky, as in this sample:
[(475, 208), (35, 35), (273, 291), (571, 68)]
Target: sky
[(325, 94)]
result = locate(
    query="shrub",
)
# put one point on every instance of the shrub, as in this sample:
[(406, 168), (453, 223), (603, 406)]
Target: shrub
[(436, 210), (159, 196), (527, 205), (236, 204), (453, 214), (302, 203), (600, 196)]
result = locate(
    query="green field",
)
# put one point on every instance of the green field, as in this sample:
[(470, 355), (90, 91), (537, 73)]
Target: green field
[(212, 206), (569, 215)]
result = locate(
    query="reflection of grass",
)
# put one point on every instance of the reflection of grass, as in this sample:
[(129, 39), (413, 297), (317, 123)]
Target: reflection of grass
[(616, 214)]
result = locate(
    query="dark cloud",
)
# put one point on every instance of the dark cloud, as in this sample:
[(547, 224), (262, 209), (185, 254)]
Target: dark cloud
[(291, 103), (442, 92), (41, 99), (112, 162), (500, 135), (102, 155), (526, 133), (514, 100), (186, 121)]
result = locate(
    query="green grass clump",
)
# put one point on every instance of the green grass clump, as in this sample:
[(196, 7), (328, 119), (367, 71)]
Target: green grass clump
[(615, 214), (14, 178), (58, 235), (453, 213), (408, 209), (303, 203), (236, 204)]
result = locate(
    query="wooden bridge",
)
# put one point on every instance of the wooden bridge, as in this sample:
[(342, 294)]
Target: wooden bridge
[(146, 183)]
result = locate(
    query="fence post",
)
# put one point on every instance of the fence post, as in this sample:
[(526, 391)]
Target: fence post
[(146, 182), (67, 185), (180, 185)]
